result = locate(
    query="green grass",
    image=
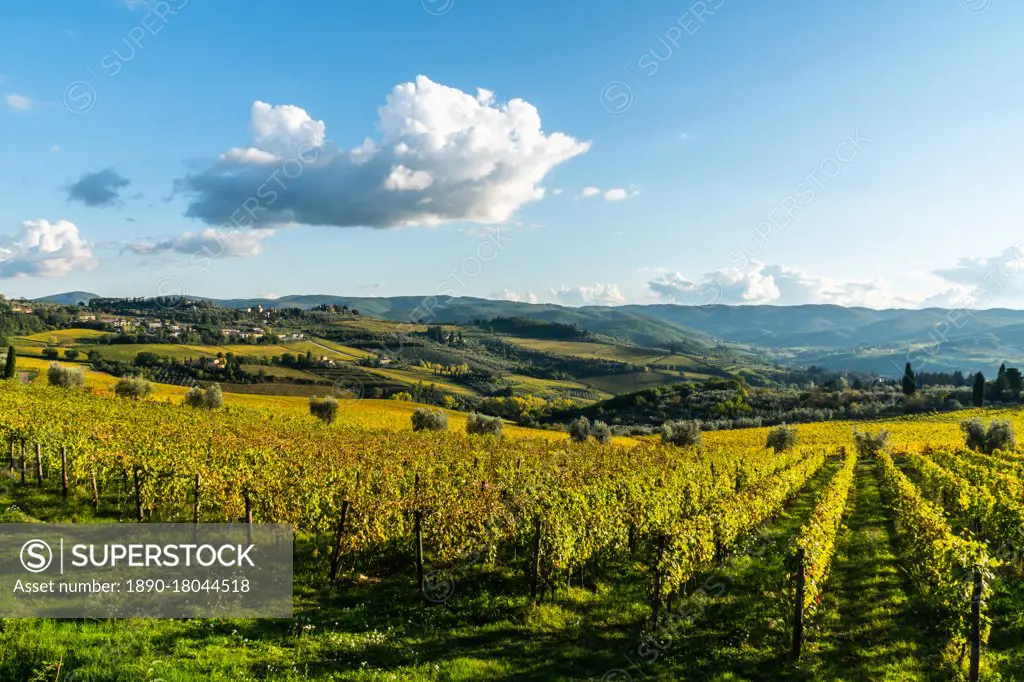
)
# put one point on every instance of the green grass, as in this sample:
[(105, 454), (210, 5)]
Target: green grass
[(588, 349), (628, 383), (281, 372), (126, 352), (551, 388), (347, 352), (65, 337), (415, 375), (870, 626)]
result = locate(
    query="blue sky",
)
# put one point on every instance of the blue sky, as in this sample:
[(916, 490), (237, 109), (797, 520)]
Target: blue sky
[(723, 151)]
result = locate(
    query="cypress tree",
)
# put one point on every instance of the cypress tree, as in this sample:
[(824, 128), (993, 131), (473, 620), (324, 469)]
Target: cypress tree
[(909, 384), (12, 363), (979, 389), (1002, 383)]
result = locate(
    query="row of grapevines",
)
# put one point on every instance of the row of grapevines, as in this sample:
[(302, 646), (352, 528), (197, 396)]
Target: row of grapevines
[(983, 496), (940, 562), (997, 482), (818, 538), (1006, 462), (692, 542), (940, 485)]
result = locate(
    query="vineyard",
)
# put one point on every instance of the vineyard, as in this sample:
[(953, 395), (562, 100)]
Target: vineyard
[(431, 555)]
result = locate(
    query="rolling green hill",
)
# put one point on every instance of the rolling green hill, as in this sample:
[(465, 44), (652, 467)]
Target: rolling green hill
[(831, 336)]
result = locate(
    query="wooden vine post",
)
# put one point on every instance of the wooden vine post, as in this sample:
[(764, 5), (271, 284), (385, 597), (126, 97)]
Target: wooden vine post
[(64, 471), (39, 465), (195, 500), (418, 529), (798, 605), (339, 532), (535, 566), (975, 635), (138, 495), (95, 493), (658, 580), (23, 462), (248, 516), (10, 469), (419, 547)]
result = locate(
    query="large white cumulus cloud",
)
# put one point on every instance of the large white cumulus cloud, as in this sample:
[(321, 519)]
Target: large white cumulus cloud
[(45, 249), (442, 155)]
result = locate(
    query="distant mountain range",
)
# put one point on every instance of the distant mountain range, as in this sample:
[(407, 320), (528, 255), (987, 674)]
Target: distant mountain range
[(839, 338)]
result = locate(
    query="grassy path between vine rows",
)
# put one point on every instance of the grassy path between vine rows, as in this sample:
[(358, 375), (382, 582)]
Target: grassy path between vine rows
[(868, 627), (739, 626)]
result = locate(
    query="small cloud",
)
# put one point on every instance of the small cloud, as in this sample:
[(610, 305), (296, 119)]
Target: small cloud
[(18, 102), (508, 295), (557, 192), (210, 242), (102, 188), (589, 192), (598, 294), (619, 194)]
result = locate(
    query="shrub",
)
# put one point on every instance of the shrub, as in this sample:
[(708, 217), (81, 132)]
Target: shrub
[(601, 432), (214, 397), (71, 354), (975, 433), (135, 388), (579, 430), (1001, 437), (51, 353), (324, 409), (65, 377), (870, 444), (403, 396), (194, 397), (998, 436), (481, 424), (424, 419), (782, 438), (683, 432), (210, 399)]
